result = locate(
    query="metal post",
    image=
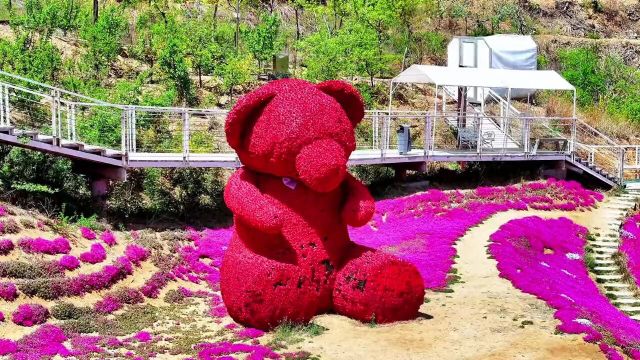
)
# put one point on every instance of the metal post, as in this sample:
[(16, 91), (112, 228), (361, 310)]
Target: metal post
[(621, 165), (2, 121), (185, 135), (574, 130), (73, 122), (479, 135), (54, 112), (59, 115), (427, 132), (68, 121), (123, 130), (7, 107), (134, 133)]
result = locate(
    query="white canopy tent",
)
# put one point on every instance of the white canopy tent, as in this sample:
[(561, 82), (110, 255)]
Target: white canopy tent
[(442, 76)]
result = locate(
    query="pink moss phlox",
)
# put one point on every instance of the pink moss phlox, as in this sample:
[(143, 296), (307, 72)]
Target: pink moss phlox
[(3, 211), (142, 336), (30, 315), (87, 233), (107, 305), (8, 291), (546, 258), (136, 254), (6, 246), (155, 284), (46, 342), (83, 346), (7, 347), (630, 245), (43, 246), (211, 351), (69, 262), (95, 255), (423, 228), (108, 238), (249, 333)]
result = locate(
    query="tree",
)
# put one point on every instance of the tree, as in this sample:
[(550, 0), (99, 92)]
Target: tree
[(324, 56), (263, 41), (96, 9), (103, 39), (172, 61), (237, 70)]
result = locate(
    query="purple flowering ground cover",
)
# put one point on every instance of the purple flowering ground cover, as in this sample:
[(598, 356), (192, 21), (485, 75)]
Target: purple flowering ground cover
[(159, 293), (544, 258), (630, 245)]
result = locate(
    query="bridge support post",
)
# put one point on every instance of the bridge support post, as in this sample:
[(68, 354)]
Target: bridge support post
[(99, 187), (556, 169)]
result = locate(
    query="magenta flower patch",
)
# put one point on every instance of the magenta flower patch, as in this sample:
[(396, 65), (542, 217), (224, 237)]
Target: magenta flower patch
[(6, 246), (69, 262), (136, 254), (87, 233), (545, 258), (8, 291), (108, 238), (30, 314), (423, 228), (107, 305), (630, 245), (44, 246), (96, 254)]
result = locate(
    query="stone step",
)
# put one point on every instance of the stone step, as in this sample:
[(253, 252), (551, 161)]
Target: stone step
[(626, 301), (604, 262), (616, 285), (606, 244), (621, 293), (7, 130), (630, 309), (635, 317), (602, 256), (609, 277), (606, 268), (607, 250)]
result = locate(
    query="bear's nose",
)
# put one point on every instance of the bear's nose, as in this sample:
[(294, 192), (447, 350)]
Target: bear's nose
[(322, 165)]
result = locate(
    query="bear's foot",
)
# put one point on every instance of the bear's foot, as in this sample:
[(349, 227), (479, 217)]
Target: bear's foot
[(376, 287)]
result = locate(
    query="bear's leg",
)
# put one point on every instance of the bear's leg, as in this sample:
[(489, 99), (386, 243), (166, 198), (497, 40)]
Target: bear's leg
[(262, 292), (374, 286)]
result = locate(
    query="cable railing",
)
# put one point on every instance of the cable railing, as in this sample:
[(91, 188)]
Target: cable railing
[(67, 119)]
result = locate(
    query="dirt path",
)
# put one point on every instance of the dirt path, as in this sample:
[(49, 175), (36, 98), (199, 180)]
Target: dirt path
[(481, 319)]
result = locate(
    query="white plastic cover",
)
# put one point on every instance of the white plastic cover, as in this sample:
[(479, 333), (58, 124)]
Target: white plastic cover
[(513, 52)]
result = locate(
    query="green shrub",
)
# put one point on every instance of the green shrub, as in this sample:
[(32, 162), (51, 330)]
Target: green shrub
[(174, 296), (68, 311)]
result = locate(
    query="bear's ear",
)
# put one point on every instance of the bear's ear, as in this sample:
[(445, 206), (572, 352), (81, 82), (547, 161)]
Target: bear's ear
[(348, 97), (244, 113)]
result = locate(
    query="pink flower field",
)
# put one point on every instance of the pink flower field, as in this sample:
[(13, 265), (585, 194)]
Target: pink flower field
[(158, 294), (545, 258)]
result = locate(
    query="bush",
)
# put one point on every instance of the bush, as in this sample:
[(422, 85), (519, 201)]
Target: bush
[(34, 179), (68, 311), (27, 270), (174, 296), (9, 226)]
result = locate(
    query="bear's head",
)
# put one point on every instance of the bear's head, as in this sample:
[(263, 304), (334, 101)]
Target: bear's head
[(296, 129)]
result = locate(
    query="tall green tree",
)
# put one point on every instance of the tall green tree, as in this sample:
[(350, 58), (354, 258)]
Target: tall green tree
[(264, 40), (103, 39)]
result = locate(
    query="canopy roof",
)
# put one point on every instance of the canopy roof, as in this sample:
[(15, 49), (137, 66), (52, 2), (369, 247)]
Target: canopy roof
[(491, 78)]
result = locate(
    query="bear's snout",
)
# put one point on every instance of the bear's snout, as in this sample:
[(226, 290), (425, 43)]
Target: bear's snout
[(322, 165)]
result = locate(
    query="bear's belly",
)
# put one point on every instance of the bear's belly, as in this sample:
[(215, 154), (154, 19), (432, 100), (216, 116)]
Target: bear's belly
[(312, 221)]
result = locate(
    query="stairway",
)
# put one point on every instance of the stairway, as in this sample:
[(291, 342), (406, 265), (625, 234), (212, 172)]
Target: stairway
[(598, 170), (605, 247)]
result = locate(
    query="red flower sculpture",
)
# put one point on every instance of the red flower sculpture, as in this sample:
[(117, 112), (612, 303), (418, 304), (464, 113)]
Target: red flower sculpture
[(290, 257)]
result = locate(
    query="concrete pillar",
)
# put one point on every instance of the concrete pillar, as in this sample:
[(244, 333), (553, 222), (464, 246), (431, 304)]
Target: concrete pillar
[(99, 187)]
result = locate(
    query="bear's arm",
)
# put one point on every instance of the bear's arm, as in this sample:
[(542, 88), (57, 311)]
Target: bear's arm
[(359, 205), (250, 205)]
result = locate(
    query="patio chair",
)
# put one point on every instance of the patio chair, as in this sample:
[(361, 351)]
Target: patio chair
[(488, 138)]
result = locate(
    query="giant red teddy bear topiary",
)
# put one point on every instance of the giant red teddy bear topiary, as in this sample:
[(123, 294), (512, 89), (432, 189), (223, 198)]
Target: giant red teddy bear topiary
[(290, 257)]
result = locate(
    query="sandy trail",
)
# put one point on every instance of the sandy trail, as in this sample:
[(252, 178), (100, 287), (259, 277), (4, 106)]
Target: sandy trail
[(481, 319)]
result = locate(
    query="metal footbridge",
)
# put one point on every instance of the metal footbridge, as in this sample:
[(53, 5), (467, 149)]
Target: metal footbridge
[(49, 119)]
